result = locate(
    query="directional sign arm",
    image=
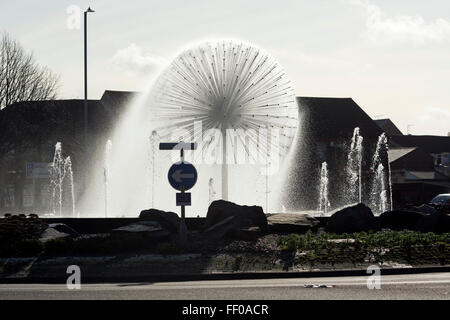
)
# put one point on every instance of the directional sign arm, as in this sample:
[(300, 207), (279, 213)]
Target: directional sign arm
[(178, 145)]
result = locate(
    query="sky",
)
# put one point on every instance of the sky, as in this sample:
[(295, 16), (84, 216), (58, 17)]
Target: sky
[(391, 57)]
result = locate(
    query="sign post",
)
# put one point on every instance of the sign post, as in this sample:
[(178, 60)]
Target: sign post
[(182, 176)]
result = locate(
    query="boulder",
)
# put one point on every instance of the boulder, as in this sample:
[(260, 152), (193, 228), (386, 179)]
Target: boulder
[(247, 234), (354, 218), (291, 222), (220, 229), (400, 220), (151, 229), (246, 216), (435, 222), (51, 233), (64, 228), (168, 220)]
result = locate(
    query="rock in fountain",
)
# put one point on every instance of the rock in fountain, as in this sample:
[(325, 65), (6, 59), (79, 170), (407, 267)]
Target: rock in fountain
[(353, 170), (61, 176), (324, 203)]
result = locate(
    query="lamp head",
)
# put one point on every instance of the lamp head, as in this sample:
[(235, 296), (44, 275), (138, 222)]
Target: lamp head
[(89, 10)]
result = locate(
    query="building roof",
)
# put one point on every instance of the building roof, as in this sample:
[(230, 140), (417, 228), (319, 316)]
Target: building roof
[(430, 144), (337, 117), (30, 123), (412, 159), (115, 101), (71, 111), (397, 153), (424, 175), (388, 126), (111, 103)]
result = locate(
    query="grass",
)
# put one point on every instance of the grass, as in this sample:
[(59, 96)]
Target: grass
[(111, 244), (374, 247)]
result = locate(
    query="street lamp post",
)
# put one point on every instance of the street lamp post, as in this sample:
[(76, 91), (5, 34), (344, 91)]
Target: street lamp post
[(85, 82), (85, 93)]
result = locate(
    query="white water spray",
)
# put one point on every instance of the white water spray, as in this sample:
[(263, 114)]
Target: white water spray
[(223, 84), (61, 174), (107, 174), (381, 188), (354, 165), (324, 202)]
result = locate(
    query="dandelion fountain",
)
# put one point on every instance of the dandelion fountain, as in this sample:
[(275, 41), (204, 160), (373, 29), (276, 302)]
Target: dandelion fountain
[(230, 97), (228, 86)]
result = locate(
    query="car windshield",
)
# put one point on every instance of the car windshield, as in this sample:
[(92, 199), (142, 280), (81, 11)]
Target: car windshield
[(441, 199)]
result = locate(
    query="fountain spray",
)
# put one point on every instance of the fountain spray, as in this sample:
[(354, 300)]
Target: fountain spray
[(107, 173), (354, 165), (324, 203)]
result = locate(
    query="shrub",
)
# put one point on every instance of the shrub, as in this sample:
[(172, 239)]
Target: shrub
[(30, 247), (237, 262), (414, 247), (58, 247), (166, 248), (289, 243)]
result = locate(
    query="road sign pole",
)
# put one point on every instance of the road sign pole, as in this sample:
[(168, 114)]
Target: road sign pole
[(183, 229), (182, 176)]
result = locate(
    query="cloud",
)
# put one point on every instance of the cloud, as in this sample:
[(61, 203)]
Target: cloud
[(437, 114), (133, 59), (436, 118), (403, 28)]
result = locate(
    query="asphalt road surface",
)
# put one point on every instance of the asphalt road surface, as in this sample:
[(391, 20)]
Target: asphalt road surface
[(413, 286)]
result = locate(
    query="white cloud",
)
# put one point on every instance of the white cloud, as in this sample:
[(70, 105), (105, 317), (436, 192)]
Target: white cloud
[(135, 60), (403, 28), (437, 118), (437, 114)]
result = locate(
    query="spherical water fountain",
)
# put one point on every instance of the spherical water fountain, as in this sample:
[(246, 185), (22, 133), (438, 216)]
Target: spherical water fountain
[(227, 85)]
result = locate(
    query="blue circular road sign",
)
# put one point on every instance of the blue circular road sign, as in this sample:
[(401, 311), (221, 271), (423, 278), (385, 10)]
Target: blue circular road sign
[(182, 176)]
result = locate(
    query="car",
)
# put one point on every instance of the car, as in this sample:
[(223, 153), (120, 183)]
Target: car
[(441, 199)]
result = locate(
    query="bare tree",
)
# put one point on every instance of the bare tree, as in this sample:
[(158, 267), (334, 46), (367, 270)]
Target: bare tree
[(21, 78)]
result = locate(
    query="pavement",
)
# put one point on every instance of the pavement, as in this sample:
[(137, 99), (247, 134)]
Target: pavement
[(420, 286)]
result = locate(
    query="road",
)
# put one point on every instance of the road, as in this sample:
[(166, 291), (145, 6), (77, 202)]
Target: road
[(413, 286)]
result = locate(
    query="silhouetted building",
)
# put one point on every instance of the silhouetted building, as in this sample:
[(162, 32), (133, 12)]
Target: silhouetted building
[(388, 126), (420, 167), (30, 130), (28, 134), (326, 130), (414, 177)]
